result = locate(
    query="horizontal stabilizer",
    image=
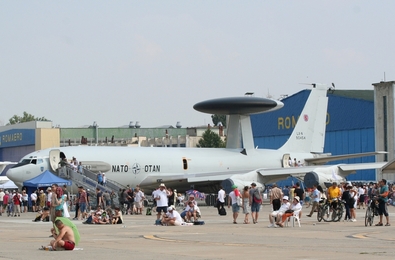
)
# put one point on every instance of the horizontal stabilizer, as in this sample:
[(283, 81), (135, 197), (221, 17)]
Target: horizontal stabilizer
[(389, 167)]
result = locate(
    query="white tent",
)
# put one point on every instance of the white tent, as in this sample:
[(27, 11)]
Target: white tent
[(8, 185)]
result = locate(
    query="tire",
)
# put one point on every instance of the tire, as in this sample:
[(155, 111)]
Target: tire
[(326, 213), (368, 217), (339, 212), (319, 213)]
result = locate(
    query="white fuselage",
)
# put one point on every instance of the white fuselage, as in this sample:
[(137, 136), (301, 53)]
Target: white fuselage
[(147, 166)]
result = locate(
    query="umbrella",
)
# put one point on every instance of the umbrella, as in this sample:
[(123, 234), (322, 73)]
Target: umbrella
[(70, 224), (197, 194)]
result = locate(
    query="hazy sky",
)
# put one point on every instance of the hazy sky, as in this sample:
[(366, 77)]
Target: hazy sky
[(75, 62)]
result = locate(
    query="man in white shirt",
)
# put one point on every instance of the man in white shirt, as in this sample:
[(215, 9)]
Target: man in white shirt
[(138, 200), (278, 213), (33, 198), (172, 218), (220, 199), (160, 196)]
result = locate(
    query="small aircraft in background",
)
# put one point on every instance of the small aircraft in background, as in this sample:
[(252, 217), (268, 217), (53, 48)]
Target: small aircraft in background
[(205, 169)]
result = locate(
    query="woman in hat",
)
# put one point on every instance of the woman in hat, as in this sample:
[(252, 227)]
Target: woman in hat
[(295, 207)]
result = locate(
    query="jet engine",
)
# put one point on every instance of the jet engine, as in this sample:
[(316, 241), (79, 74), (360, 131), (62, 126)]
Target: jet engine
[(320, 178), (240, 183)]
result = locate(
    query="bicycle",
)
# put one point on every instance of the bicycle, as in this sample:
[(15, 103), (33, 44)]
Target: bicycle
[(371, 211), (330, 214), (321, 205)]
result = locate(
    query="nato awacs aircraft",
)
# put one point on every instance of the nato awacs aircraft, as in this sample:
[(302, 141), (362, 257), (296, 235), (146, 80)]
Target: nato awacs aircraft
[(207, 168)]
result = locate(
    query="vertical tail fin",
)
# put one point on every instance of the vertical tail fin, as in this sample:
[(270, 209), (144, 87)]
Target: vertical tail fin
[(309, 132)]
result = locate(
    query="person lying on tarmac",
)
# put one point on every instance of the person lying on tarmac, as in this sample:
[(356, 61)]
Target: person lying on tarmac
[(43, 215), (65, 238)]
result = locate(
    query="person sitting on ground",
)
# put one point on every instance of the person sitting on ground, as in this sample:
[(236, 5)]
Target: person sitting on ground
[(172, 218), (192, 210), (295, 207), (94, 215), (65, 238), (43, 215), (117, 218), (278, 213)]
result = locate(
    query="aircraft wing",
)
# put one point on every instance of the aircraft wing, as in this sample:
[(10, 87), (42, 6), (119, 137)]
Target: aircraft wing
[(330, 171), (330, 158)]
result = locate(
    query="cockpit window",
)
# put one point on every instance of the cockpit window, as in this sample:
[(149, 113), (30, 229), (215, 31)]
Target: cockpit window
[(40, 161)]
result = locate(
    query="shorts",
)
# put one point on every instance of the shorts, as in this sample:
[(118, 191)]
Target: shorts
[(82, 207), (255, 207), (24, 203), (48, 204), (1, 203), (34, 202), (138, 204), (161, 209), (235, 208), (383, 208), (68, 245)]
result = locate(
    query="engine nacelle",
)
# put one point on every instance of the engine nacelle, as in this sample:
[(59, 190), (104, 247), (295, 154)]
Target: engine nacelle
[(228, 183), (320, 178)]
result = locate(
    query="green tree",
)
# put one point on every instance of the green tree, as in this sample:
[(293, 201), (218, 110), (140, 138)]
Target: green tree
[(25, 118), (211, 139), (218, 118)]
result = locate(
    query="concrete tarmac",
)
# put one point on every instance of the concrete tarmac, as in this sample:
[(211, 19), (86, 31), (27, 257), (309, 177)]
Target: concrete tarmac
[(219, 238)]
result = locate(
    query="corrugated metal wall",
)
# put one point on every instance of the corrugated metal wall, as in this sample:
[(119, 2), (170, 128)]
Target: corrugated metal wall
[(350, 128)]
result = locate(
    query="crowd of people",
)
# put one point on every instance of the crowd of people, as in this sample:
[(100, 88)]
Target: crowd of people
[(289, 201)]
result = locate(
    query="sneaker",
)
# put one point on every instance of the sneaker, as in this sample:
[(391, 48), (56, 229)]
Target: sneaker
[(309, 216), (271, 225), (353, 220)]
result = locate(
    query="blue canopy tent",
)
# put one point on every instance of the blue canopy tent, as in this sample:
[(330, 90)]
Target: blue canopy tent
[(45, 179)]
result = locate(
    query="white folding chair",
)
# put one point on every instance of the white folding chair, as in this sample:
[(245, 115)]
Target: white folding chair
[(292, 219)]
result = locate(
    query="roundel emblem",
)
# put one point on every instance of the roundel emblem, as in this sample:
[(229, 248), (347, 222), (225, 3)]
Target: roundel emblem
[(306, 118), (136, 168)]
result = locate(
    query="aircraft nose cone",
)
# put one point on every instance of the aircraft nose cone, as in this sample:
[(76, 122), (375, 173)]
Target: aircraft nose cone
[(13, 175)]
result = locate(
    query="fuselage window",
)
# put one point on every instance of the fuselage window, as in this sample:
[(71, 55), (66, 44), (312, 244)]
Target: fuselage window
[(185, 164), (40, 161)]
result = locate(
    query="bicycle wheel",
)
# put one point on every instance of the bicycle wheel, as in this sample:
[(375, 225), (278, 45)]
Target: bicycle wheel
[(368, 217), (326, 213), (319, 213), (339, 212)]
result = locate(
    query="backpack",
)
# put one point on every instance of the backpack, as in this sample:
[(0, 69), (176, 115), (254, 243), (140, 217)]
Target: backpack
[(257, 196), (148, 212)]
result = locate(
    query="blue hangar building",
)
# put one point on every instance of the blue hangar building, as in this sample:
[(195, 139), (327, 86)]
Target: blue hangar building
[(349, 127)]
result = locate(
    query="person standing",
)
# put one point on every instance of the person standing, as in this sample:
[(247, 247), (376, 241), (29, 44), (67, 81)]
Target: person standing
[(234, 195), (300, 193), (255, 202), (246, 204), (160, 196), (316, 197), (220, 199), (33, 198), (100, 178), (17, 198), (383, 198), (276, 196), (25, 199), (2, 194)]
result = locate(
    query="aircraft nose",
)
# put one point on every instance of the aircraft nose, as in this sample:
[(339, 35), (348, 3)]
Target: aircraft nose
[(14, 174)]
